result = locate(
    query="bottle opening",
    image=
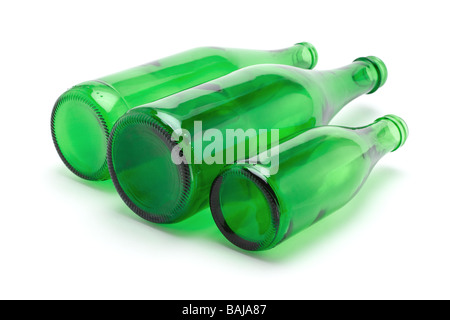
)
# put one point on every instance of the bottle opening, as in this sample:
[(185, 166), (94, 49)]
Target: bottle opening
[(401, 126), (147, 179), (309, 55), (244, 209), (80, 135), (380, 71)]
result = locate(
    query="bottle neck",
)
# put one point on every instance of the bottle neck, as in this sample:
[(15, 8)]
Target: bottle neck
[(364, 76), (302, 55), (385, 135)]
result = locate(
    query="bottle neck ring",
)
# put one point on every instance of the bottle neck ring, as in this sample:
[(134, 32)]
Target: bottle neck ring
[(379, 71)]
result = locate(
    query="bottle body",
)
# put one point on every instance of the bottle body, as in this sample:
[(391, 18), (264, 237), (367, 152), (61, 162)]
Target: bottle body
[(84, 115), (203, 122), (320, 170)]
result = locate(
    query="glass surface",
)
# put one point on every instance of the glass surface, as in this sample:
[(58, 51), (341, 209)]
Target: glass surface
[(319, 171), (254, 99), (84, 115)]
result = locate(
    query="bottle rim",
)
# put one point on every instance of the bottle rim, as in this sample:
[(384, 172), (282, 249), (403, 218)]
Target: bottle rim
[(401, 125), (380, 68), (312, 51)]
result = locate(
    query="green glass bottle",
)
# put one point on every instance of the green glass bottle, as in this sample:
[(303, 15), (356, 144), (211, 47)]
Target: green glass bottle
[(253, 100), (258, 204), (84, 115)]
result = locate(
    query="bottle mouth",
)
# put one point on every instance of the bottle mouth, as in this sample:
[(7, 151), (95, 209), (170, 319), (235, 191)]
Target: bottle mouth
[(309, 54), (401, 126), (80, 134), (245, 209), (380, 69), (141, 166)]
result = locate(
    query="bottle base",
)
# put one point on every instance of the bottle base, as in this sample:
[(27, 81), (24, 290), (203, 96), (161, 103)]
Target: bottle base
[(141, 166), (80, 135), (245, 209)]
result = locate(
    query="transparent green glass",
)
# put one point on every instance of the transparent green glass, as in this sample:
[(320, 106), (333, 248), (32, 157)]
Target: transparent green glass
[(262, 97), (256, 205), (84, 115)]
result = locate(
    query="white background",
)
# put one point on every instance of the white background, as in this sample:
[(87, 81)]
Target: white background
[(65, 238)]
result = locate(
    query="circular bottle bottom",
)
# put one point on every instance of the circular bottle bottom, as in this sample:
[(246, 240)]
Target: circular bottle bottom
[(245, 209), (141, 166), (80, 135)]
